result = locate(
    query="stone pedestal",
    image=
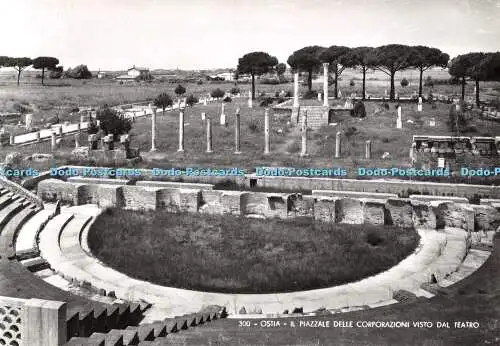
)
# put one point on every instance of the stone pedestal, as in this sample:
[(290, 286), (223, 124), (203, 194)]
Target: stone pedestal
[(419, 107), (37, 136), (125, 141), (53, 143), (109, 142), (92, 139), (28, 121), (266, 131), (237, 132), (11, 140)]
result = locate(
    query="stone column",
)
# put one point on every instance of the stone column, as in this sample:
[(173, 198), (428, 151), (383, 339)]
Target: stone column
[(368, 149), (83, 118), (250, 101), (77, 141), (337, 145), (237, 132), (303, 151), (43, 322), (209, 135), (153, 129), (53, 143), (11, 140), (319, 96), (37, 135), (266, 131), (296, 89), (325, 84), (109, 142), (203, 116), (222, 115), (125, 141), (419, 107), (399, 122), (28, 121), (181, 131), (92, 142)]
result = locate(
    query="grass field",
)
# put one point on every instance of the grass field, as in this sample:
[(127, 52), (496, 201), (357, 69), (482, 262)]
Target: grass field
[(241, 255)]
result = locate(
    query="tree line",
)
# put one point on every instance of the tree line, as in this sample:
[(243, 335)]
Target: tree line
[(44, 63), (388, 58)]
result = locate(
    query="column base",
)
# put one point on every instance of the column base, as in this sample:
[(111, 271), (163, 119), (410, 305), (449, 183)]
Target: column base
[(304, 155), (180, 150), (209, 151), (237, 152), (153, 149)]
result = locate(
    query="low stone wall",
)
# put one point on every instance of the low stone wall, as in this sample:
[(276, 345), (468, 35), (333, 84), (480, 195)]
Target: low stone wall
[(401, 212), (18, 189), (249, 181)]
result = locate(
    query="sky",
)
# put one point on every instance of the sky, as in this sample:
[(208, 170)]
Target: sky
[(206, 34)]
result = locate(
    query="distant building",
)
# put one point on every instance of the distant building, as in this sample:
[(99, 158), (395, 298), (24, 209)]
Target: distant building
[(136, 73), (101, 74), (229, 76)]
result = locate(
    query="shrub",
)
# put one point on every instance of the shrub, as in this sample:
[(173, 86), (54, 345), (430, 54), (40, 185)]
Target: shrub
[(191, 100), (270, 81), (429, 81), (351, 82), (113, 123), (78, 72), (404, 82), (217, 93), (235, 91), (92, 128), (288, 94), (358, 110), (385, 105), (227, 99), (293, 148), (266, 102), (351, 130), (163, 100), (179, 90), (199, 82), (280, 100), (310, 94), (254, 126)]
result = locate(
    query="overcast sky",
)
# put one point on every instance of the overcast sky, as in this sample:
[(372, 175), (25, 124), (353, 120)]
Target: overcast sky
[(200, 34)]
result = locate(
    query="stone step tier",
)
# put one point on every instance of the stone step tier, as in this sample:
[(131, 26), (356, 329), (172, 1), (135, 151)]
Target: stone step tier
[(148, 333), (84, 316)]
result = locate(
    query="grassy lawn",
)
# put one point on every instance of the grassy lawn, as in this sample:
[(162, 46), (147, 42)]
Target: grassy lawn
[(241, 255), (474, 299)]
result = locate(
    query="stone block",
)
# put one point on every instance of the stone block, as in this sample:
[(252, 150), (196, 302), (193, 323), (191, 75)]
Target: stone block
[(374, 211), (324, 209), (189, 200), (423, 215), (486, 218), (300, 205), (110, 196), (43, 323), (137, 197), (52, 190), (168, 199), (349, 210), (399, 212), (456, 215)]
